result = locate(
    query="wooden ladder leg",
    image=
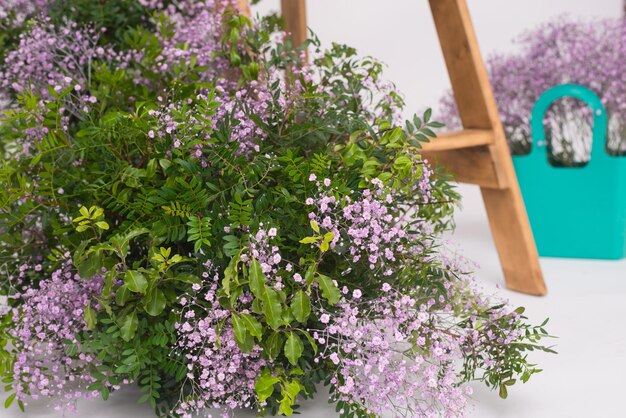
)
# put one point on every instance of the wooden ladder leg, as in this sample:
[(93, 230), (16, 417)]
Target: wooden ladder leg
[(510, 227), (294, 13), (477, 109), (244, 8), (514, 241)]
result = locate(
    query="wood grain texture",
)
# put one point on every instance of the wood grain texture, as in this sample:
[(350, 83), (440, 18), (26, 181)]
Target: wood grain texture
[(244, 7), (294, 13), (462, 139), (472, 165), (468, 77), (477, 109)]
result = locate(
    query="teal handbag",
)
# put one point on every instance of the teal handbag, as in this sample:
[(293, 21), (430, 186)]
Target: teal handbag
[(574, 211)]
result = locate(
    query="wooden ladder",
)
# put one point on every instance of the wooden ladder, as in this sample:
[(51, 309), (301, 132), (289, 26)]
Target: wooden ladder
[(478, 154)]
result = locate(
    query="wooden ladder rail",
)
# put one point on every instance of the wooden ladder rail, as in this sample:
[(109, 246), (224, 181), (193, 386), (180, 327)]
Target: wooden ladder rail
[(479, 153)]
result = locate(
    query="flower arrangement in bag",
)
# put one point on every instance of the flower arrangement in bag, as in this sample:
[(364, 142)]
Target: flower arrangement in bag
[(188, 207), (590, 53)]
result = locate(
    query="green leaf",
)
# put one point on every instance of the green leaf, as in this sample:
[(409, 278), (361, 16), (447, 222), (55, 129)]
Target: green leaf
[(315, 226), (253, 326), (231, 273), (122, 242), (257, 278), (102, 225), (427, 114), (122, 294), (90, 317), (165, 164), (188, 278), (128, 326), (256, 307), (328, 238), (310, 339), (309, 240), (301, 306), (273, 345), (85, 212), (9, 400), (290, 391), (135, 281), (330, 292), (272, 308), (285, 406), (309, 275), (155, 303), (91, 265), (293, 348), (105, 393), (264, 387), (240, 329), (297, 371), (36, 159)]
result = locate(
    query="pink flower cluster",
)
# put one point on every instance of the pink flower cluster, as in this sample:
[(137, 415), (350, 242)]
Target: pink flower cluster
[(591, 53), (370, 225), (219, 374), (373, 230), (253, 99), (180, 122), (48, 319), (392, 355), (263, 248), (18, 11), (54, 58), (197, 29)]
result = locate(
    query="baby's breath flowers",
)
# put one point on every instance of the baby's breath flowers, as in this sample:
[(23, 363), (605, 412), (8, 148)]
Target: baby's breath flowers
[(47, 323), (189, 207), (591, 53), (219, 374)]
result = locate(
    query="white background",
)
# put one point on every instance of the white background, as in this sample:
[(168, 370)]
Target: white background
[(587, 298)]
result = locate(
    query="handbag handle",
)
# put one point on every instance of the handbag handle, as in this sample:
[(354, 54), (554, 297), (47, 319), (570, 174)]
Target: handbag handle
[(538, 134)]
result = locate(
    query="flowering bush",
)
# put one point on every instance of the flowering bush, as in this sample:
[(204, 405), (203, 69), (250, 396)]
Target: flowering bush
[(188, 207), (562, 51), (47, 324)]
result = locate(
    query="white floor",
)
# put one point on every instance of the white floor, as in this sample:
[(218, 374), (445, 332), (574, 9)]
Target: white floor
[(587, 307)]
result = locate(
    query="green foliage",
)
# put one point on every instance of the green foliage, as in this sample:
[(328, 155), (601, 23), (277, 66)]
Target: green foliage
[(289, 387), (293, 348), (199, 232), (330, 292), (149, 215), (301, 306), (134, 349), (7, 360), (502, 376), (115, 14)]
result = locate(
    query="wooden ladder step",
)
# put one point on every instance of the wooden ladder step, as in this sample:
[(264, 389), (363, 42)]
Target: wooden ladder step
[(467, 155), (466, 138)]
